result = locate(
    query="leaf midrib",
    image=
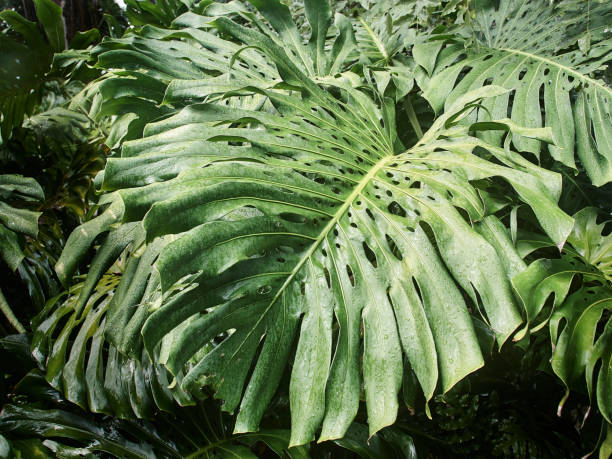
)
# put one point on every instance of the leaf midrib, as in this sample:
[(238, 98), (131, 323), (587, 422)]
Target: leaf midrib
[(337, 216), (317, 242), (375, 39), (566, 69)]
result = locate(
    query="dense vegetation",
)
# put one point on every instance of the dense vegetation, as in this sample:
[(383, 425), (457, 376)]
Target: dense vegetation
[(306, 228)]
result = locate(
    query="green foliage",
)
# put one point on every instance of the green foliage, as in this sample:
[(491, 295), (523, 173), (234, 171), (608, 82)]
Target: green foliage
[(26, 55), (51, 146), (309, 217), (304, 230), (15, 223), (506, 409), (70, 432), (537, 49), (160, 13), (38, 411), (579, 315)]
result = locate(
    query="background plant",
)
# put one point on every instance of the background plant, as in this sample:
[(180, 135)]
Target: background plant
[(219, 121)]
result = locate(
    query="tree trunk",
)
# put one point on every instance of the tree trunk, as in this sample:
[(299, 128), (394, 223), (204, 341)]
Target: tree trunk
[(79, 15), (28, 10)]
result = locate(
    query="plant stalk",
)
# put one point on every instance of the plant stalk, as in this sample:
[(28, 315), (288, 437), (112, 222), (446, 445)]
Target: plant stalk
[(8, 312), (412, 117)]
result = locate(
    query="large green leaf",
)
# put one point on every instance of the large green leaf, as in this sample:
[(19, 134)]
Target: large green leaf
[(303, 232), (69, 339), (579, 314), (162, 69), (58, 423), (16, 220), (197, 431), (551, 56), (22, 66), (587, 239), (581, 332)]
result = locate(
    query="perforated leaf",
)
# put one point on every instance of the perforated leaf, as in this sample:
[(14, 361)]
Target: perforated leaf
[(69, 338), (538, 50), (581, 332), (305, 234), (15, 218), (23, 62), (579, 314)]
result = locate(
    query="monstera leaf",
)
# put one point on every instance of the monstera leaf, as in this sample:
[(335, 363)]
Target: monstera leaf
[(68, 431), (155, 71), (579, 316), (17, 190), (302, 232), (15, 222), (24, 62), (551, 56)]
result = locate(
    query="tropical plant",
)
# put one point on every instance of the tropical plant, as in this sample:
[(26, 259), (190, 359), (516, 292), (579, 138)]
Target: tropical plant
[(27, 54), (16, 222), (552, 55), (282, 215), (54, 146)]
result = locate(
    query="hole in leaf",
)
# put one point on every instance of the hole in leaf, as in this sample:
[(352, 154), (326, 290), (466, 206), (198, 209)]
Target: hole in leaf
[(327, 277), (351, 277), (601, 324), (479, 304), (560, 328), (370, 255), (293, 218), (396, 209), (394, 248), (417, 288)]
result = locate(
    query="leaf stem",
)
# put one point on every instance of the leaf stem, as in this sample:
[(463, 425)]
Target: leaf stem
[(205, 449), (412, 117), (8, 312)]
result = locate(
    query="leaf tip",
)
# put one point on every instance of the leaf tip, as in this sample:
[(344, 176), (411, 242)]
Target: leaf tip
[(562, 402)]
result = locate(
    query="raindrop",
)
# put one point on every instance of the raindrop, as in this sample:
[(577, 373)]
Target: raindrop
[(264, 290)]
